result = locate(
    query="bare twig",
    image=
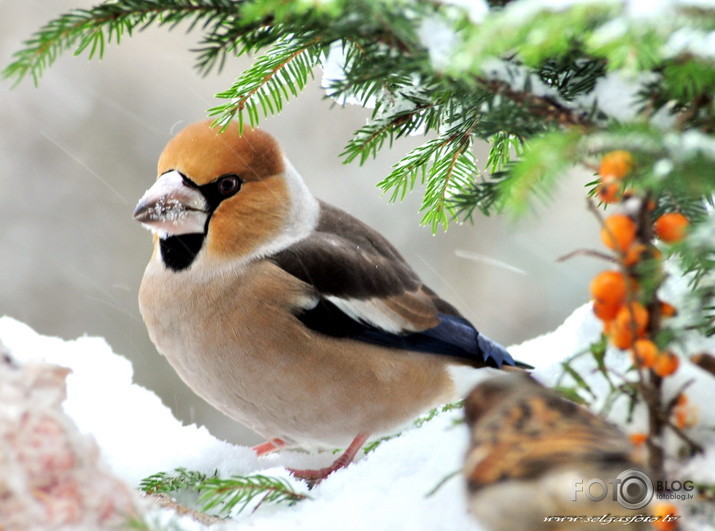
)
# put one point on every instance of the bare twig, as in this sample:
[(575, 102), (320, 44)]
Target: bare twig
[(541, 106), (586, 252), (165, 501)]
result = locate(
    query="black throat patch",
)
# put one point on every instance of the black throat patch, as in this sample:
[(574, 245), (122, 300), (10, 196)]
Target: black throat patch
[(178, 252)]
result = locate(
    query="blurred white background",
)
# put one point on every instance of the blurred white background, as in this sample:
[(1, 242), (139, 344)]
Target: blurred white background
[(78, 151)]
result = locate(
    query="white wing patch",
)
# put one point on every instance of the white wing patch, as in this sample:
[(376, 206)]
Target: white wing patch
[(373, 312)]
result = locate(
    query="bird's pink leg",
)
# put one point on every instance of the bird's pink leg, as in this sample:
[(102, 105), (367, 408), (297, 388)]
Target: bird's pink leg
[(268, 447), (341, 462)]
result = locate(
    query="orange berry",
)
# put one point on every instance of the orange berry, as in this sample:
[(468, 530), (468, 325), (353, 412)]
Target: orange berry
[(666, 363), (609, 287), (671, 227), (635, 254), (685, 414), (644, 352), (616, 164), (620, 336), (618, 232), (629, 324), (634, 317), (686, 417), (663, 510), (609, 190), (682, 418), (667, 310), (604, 311), (607, 326), (638, 438)]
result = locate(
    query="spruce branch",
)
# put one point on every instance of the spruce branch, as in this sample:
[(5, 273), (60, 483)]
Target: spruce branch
[(227, 40), (222, 494), (239, 491), (92, 29), (274, 77), (451, 174), (390, 62), (503, 148), (547, 158), (481, 194), (367, 141), (168, 482)]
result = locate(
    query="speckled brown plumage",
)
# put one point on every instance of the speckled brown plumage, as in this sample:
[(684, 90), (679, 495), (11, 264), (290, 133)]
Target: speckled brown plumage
[(528, 447)]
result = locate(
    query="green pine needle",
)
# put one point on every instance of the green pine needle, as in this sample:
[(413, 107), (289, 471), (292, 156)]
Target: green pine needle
[(90, 30), (168, 482), (234, 494), (545, 160), (273, 78), (417, 423), (223, 495)]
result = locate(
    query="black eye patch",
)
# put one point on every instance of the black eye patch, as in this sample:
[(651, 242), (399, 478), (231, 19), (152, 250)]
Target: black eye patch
[(217, 190), (220, 189)]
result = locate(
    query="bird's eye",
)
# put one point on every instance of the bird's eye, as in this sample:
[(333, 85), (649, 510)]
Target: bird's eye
[(228, 185)]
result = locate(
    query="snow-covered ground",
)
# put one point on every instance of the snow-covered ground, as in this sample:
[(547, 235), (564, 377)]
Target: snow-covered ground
[(387, 489)]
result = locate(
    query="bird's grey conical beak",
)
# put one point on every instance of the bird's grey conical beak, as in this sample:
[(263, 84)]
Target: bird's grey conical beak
[(171, 207)]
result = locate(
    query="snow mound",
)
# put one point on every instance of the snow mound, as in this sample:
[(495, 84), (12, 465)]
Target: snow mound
[(393, 487)]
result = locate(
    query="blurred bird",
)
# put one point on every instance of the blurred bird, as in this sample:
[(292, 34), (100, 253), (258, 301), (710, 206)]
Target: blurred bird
[(285, 313), (535, 458)]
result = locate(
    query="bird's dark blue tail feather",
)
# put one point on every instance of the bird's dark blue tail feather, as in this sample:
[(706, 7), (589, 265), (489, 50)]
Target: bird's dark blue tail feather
[(494, 351), (454, 336), (457, 337)]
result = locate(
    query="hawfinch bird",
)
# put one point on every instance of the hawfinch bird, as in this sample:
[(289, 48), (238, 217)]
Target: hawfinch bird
[(537, 461), (285, 313)]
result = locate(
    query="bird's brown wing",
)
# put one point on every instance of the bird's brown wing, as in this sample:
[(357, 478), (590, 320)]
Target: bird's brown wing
[(366, 291)]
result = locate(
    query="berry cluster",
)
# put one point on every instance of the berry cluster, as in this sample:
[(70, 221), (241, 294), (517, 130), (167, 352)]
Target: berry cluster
[(631, 315), (625, 298)]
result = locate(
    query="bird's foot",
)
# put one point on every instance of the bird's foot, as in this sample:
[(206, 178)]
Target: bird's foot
[(317, 475), (268, 446)]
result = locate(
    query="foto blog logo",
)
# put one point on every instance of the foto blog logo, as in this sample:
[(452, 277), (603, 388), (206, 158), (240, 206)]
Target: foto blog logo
[(632, 489)]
